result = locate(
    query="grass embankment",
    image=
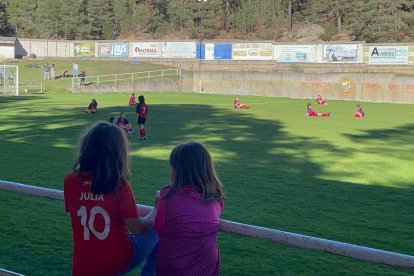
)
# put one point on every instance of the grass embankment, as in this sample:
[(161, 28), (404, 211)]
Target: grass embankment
[(34, 76)]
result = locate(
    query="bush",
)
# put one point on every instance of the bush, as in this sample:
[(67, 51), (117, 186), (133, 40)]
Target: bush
[(330, 31)]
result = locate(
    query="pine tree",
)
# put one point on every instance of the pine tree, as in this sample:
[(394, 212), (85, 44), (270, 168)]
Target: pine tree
[(121, 10), (70, 20), (48, 17), (334, 11), (101, 19), (381, 21), (245, 18), (3, 17), (22, 18)]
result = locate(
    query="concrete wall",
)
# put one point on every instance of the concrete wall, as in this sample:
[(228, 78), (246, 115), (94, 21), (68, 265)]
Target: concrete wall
[(44, 48), (349, 86), (369, 87), (6, 51)]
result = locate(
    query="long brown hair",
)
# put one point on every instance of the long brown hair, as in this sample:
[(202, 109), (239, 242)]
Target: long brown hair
[(103, 152), (194, 167)]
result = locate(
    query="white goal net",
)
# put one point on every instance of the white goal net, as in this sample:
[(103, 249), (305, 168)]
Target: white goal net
[(9, 79)]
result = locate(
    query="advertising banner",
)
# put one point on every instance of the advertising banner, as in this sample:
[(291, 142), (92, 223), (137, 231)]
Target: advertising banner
[(252, 51), (105, 49), (146, 49), (209, 51), (84, 49), (120, 49), (222, 51), (340, 53), (295, 53), (201, 51), (388, 55), (178, 50)]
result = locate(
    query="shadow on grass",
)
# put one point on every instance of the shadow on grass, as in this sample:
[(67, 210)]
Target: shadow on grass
[(390, 138), (268, 175)]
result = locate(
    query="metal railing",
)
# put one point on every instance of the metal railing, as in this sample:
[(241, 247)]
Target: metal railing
[(4, 272), (287, 238), (124, 78), (31, 88)]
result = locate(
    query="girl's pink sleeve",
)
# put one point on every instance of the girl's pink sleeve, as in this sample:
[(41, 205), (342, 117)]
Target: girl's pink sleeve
[(160, 217)]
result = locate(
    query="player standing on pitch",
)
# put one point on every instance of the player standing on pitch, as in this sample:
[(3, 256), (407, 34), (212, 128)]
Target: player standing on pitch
[(142, 111)]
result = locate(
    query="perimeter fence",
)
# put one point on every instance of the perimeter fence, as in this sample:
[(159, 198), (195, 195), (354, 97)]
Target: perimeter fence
[(278, 236)]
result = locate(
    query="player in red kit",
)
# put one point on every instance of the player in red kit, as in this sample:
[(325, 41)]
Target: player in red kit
[(93, 107), (237, 104), (311, 113), (142, 112), (132, 101), (321, 100)]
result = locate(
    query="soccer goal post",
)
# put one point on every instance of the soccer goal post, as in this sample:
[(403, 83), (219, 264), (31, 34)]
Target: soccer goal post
[(9, 79)]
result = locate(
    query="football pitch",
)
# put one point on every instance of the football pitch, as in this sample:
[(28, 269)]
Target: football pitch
[(339, 178)]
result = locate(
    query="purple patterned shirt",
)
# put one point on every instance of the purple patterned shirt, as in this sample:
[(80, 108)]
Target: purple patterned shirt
[(188, 234)]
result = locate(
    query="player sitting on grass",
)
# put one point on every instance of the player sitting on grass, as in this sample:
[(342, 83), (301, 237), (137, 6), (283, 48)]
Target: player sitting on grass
[(113, 120), (93, 107), (237, 104), (124, 124), (360, 112), (132, 101), (321, 100), (310, 112)]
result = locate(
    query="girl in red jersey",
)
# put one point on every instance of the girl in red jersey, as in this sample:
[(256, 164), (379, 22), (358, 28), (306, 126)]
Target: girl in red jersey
[(360, 112), (132, 101), (310, 112), (123, 123), (237, 104), (93, 107), (188, 215), (102, 208), (321, 100), (142, 111)]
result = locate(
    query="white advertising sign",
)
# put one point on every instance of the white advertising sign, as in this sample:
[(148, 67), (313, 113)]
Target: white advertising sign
[(178, 50), (146, 49), (252, 51), (388, 55), (340, 53), (295, 53), (209, 52)]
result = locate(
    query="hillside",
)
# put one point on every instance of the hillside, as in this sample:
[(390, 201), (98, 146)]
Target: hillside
[(284, 20)]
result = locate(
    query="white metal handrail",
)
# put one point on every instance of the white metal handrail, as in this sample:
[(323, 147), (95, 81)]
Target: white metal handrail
[(4, 272), (287, 238), (125, 77)]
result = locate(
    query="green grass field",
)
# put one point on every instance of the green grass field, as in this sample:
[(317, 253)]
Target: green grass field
[(337, 178)]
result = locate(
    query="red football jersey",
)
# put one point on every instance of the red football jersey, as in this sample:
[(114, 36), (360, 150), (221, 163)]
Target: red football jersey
[(101, 245), (142, 110)]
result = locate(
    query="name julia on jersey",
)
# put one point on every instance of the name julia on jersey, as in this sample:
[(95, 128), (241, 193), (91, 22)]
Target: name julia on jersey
[(89, 195)]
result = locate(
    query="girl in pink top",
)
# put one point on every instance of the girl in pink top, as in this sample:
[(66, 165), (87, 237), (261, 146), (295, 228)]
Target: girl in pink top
[(188, 214)]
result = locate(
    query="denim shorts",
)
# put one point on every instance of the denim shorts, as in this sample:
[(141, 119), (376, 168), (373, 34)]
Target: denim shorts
[(145, 249)]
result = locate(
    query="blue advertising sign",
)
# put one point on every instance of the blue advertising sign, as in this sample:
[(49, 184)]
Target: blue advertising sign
[(105, 49), (120, 49), (222, 51), (200, 51)]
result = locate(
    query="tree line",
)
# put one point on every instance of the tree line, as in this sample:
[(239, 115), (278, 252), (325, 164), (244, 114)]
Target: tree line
[(364, 20)]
